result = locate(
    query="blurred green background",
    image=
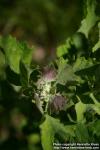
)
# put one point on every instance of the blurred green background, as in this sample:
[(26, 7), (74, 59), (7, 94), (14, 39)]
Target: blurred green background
[(44, 22)]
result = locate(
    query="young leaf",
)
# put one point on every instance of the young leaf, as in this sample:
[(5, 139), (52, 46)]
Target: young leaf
[(80, 110)]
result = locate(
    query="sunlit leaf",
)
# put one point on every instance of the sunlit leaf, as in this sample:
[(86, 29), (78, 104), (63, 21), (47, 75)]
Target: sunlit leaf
[(13, 52), (51, 127), (16, 51), (80, 110), (63, 49), (90, 20)]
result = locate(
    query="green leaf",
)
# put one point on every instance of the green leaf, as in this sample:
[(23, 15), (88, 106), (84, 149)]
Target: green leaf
[(80, 110), (96, 105), (96, 47), (13, 52), (82, 63), (71, 130), (95, 127), (12, 77), (49, 128), (66, 74), (96, 108), (2, 66), (81, 133), (90, 20), (16, 51), (63, 49), (23, 75), (27, 54)]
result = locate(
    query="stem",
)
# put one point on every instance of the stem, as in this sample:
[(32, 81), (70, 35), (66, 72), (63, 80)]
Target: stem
[(93, 98), (70, 118), (79, 100)]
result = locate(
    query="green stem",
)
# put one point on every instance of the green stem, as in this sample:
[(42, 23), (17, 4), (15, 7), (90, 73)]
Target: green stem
[(93, 98)]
